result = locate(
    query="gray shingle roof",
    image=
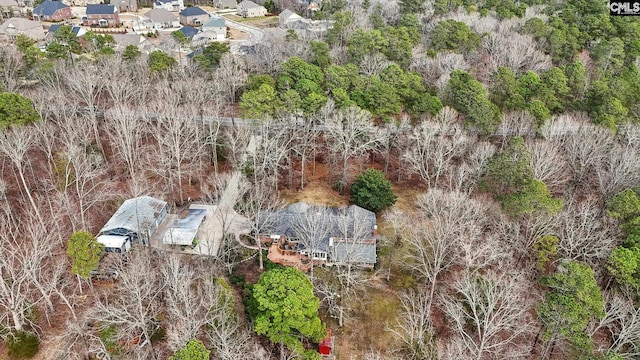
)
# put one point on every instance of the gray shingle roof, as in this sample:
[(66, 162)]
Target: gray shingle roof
[(48, 8), (248, 4), (160, 15), (354, 224), (100, 9), (215, 21), (192, 11)]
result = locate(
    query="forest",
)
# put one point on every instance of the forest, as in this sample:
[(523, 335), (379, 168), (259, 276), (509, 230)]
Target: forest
[(498, 143)]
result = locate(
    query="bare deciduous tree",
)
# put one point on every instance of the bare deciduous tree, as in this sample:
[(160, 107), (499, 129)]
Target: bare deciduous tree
[(414, 329), (489, 313)]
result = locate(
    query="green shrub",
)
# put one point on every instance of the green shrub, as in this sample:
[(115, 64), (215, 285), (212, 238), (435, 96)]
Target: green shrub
[(23, 345), (372, 191)]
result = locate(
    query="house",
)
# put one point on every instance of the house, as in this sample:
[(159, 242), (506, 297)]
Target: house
[(14, 27), (193, 16), (215, 28), (306, 28), (77, 30), (189, 32), (225, 4), (288, 17), (169, 5), (101, 15), (135, 220), (52, 11), (162, 19), (125, 5), (184, 229), (124, 40), (348, 236), (9, 8), (248, 8)]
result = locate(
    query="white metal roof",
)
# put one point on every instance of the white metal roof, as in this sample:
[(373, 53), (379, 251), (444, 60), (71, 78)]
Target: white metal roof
[(135, 214), (185, 228), (112, 241)]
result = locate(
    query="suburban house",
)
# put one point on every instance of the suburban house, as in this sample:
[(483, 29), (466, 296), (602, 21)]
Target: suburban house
[(193, 16), (52, 11), (169, 5), (225, 4), (189, 32), (125, 5), (306, 28), (101, 15), (215, 28), (14, 27), (134, 221), (304, 234), (248, 8), (77, 30), (162, 19), (9, 8)]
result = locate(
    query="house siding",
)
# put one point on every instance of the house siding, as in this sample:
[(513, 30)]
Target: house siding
[(194, 20), (113, 20)]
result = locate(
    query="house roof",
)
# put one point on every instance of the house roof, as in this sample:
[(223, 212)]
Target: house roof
[(164, 1), (185, 228), (189, 31), (20, 24), (228, 3), (49, 8), (349, 251), (100, 9), (54, 28), (112, 241), (7, 3), (288, 15), (352, 222), (195, 53), (192, 11), (160, 15), (248, 4), (128, 39), (134, 215), (215, 21)]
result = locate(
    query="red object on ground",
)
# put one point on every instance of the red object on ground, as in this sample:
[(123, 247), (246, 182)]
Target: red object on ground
[(325, 345)]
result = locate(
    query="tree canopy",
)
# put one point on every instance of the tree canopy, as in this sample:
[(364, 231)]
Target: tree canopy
[(85, 253), (285, 309), (372, 190), (193, 350), (16, 109)]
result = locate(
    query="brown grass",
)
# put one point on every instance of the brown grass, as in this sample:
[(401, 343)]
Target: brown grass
[(317, 193)]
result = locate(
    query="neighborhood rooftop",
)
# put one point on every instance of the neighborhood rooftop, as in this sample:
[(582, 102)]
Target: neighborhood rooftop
[(247, 4), (133, 215), (215, 21), (100, 9), (160, 15), (192, 11), (49, 8)]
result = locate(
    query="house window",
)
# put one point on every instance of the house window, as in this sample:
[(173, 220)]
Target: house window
[(103, 23)]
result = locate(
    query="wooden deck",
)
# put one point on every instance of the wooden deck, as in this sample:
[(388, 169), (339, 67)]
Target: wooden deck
[(284, 253)]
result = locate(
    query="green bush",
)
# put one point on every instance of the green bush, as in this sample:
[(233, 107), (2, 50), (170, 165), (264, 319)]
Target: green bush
[(372, 191), (23, 345)]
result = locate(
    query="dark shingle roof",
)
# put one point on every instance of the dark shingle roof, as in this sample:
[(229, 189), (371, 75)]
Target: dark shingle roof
[(48, 8), (352, 222), (192, 11), (100, 9), (189, 31)]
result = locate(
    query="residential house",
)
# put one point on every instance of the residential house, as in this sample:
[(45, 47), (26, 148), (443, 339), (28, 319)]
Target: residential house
[(14, 27), (77, 30), (248, 8), (162, 19), (189, 32), (306, 28), (52, 11), (170, 5), (135, 220), (225, 4), (215, 28), (347, 236), (124, 40), (101, 15), (9, 8), (193, 16), (185, 227), (125, 5)]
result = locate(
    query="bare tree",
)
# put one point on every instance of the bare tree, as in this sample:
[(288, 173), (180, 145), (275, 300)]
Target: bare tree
[(548, 163), (232, 75), (489, 314), (126, 129), (350, 133), (87, 168), (414, 329), (620, 170), (585, 234), (132, 307), (311, 227), (14, 144), (622, 320)]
